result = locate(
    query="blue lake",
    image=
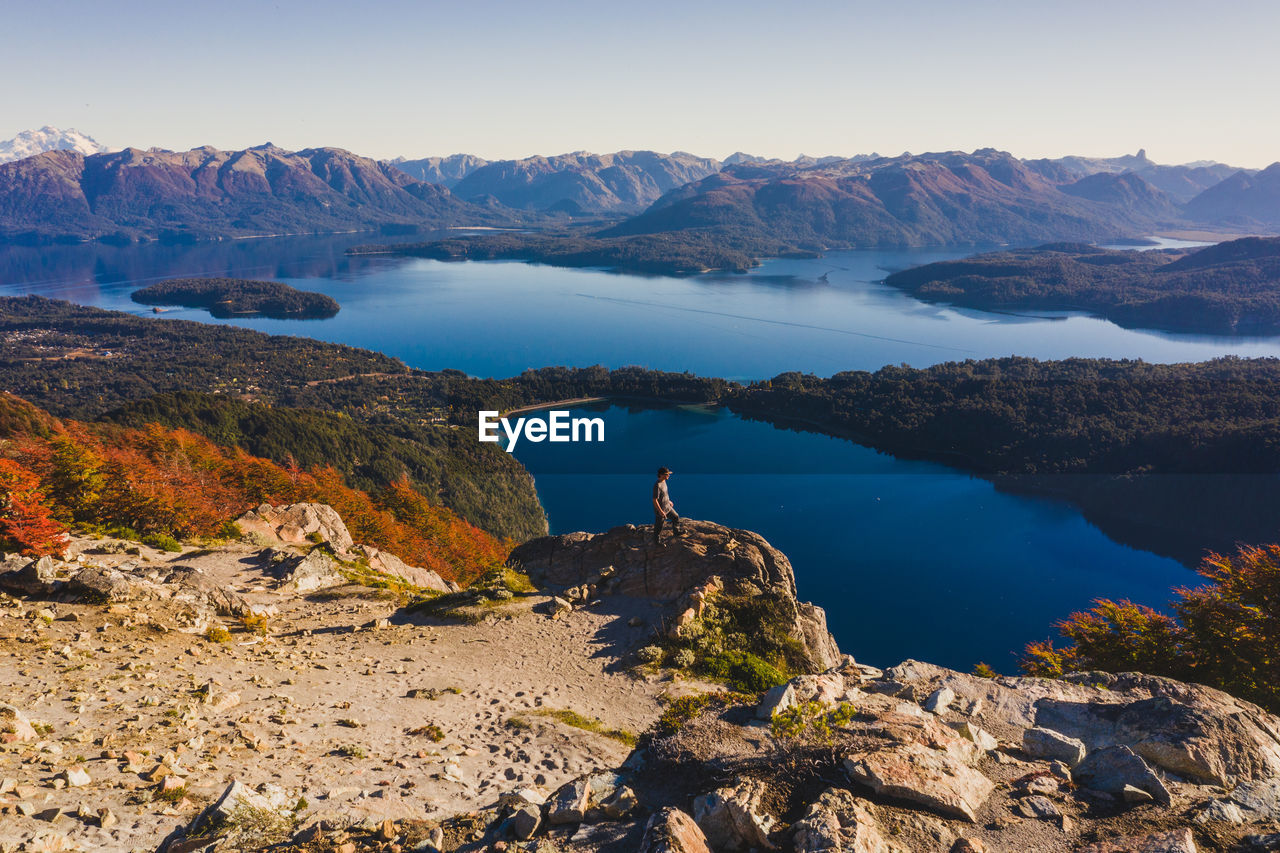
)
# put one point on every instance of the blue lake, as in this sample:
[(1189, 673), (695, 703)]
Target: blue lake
[(909, 558), (500, 318)]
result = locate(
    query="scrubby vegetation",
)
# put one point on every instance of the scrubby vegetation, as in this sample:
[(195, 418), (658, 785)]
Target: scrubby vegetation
[(237, 297), (740, 640), (167, 484), (685, 708), (589, 724), (1224, 633), (810, 721)]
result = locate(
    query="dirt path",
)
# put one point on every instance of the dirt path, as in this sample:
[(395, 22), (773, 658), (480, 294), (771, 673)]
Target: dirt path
[(319, 705)]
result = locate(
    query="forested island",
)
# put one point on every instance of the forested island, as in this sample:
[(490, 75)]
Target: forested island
[(1230, 288), (1171, 458), (237, 297), (672, 253)]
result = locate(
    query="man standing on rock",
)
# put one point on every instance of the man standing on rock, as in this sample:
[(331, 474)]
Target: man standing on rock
[(663, 509)]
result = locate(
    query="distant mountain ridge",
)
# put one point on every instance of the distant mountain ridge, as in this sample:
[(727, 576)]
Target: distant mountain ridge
[(582, 182), (29, 143), (207, 192), (945, 198), (446, 171)]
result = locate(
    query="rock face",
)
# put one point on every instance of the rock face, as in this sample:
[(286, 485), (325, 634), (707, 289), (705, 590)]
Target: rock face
[(390, 564), (672, 831), (298, 524), (624, 561), (923, 761)]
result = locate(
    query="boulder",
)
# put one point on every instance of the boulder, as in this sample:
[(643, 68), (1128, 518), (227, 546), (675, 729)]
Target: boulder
[(928, 777), (672, 831), (1261, 797), (1041, 808), (569, 803), (389, 564), (838, 822), (98, 583), (977, 735), (1053, 746), (196, 587), (315, 570), (1177, 841), (923, 761), (24, 576), (734, 818), (298, 524), (524, 822), (1111, 768), (623, 561), (940, 700), (1192, 731), (828, 688)]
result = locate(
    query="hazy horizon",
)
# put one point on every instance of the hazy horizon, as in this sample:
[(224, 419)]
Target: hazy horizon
[(432, 79)]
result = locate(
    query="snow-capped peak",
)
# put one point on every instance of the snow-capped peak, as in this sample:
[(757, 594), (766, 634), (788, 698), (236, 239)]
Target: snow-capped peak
[(32, 142)]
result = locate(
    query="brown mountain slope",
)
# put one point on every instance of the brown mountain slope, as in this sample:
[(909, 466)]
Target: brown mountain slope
[(931, 199), (207, 192)]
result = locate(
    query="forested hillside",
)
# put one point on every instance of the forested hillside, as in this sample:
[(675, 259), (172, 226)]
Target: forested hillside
[(158, 485)]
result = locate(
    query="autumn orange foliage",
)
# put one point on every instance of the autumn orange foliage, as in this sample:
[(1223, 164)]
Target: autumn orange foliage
[(170, 481), (1224, 633), (26, 520)]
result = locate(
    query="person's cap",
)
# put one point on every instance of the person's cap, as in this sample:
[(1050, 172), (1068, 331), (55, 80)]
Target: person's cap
[(662, 471)]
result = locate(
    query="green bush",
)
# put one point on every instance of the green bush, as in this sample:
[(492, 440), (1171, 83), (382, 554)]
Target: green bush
[(162, 542), (743, 671)]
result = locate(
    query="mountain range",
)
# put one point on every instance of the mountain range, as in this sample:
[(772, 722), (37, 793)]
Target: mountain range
[(929, 199), (206, 192), (752, 205), (576, 184)]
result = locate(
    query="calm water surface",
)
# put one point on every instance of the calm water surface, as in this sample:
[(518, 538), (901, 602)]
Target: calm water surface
[(496, 319), (909, 558)]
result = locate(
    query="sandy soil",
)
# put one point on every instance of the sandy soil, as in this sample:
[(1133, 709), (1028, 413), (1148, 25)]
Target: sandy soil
[(318, 704)]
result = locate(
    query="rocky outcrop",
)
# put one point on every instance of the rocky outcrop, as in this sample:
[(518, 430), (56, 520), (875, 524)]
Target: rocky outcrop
[(625, 561), (298, 524), (389, 564)]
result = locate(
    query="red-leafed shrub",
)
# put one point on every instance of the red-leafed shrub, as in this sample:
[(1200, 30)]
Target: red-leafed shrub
[(1225, 633), (26, 520)]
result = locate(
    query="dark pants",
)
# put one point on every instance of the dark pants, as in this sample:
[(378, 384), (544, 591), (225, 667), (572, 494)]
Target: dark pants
[(659, 520)]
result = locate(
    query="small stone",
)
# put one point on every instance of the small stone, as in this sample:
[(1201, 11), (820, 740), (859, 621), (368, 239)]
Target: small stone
[(387, 831), (1041, 808), (968, 845), (1046, 743), (1220, 811), (525, 822), (76, 777), (107, 818), (979, 736), (346, 847), (1131, 794), (939, 700)]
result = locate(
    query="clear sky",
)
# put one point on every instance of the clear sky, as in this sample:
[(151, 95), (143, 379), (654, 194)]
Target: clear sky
[(1186, 80)]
